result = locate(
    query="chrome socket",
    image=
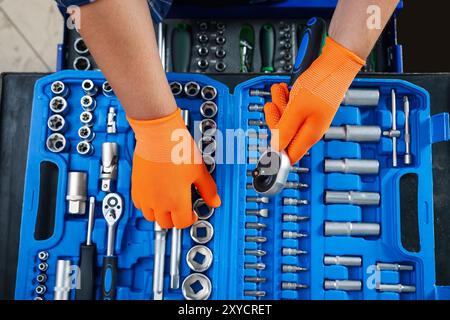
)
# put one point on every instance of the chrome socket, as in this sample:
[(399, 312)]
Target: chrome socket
[(176, 88), (201, 290), (58, 105), (202, 232), (107, 90), (199, 258), (81, 64), (43, 266), (342, 285), (41, 278), (87, 118), (88, 103), (80, 46), (57, 123), (77, 192), (203, 51), (56, 143), (208, 127), (202, 210), (59, 88), (89, 87), (40, 289), (220, 66), (85, 148), (207, 145), (208, 93), (203, 64), (210, 163), (208, 109), (43, 255), (220, 40), (220, 53), (192, 89), (62, 282)]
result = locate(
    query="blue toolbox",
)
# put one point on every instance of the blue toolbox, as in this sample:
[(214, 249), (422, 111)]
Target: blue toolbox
[(333, 233)]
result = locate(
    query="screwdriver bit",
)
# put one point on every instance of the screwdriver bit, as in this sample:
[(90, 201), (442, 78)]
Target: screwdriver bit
[(293, 286), (259, 148), (294, 218), (255, 279), (255, 239), (255, 108), (293, 235), (342, 261), (259, 93), (289, 268), (399, 288), (258, 200), (257, 253), (295, 185), (258, 135), (394, 267), (255, 293), (294, 202), (255, 225), (256, 266), (263, 213), (257, 123), (299, 170), (343, 285), (292, 252)]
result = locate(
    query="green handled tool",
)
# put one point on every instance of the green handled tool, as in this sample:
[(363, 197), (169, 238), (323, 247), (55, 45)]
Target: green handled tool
[(181, 48), (267, 45)]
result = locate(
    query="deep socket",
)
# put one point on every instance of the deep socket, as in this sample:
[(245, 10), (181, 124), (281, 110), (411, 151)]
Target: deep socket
[(81, 64), (354, 133), (208, 109), (80, 46), (208, 93), (362, 97), (77, 192), (342, 261), (352, 166), (351, 229), (352, 197), (58, 105), (342, 285)]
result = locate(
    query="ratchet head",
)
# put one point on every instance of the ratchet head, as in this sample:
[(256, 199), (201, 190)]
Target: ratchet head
[(112, 208), (271, 173)]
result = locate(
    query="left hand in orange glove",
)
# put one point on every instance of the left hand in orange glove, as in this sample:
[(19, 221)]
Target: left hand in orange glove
[(300, 118)]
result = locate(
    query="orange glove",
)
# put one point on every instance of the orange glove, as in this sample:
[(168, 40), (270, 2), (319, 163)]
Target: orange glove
[(166, 163), (300, 118)]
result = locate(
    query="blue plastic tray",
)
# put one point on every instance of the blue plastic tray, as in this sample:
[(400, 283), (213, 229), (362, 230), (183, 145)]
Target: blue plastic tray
[(134, 244)]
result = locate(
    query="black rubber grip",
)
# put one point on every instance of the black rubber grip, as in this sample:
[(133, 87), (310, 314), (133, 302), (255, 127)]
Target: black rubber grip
[(109, 278), (48, 191), (88, 258), (267, 43)]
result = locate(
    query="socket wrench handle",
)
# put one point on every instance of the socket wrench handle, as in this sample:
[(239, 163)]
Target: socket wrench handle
[(109, 277)]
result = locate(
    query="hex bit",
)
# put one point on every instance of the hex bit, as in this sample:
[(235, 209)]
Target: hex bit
[(258, 135), (293, 235), (253, 293), (294, 218), (299, 170), (343, 285), (259, 93), (293, 286), (257, 123), (292, 252), (264, 200), (257, 253), (290, 268), (255, 239), (295, 185), (263, 213), (255, 279), (398, 288), (294, 202), (342, 261), (255, 225), (255, 108), (256, 266), (393, 267)]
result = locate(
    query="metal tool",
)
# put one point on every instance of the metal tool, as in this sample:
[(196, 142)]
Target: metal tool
[(41, 278), (175, 258), (85, 148), (203, 51), (255, 108), (346, 261), (295, 185), (290, 268), (199, 258), (408, 158), (292, 252), (88, 103), (203, 64), (208, 127), (56, 123), (257, 123), (107, 89), (398, 288), (80, 46), (271, 173), (362, 97), (81, 64), (263, 213), (256, 253), (77, 192), (352, 197), (112, 212), (62, 284), (220, 40), (254, 293), (220, 66), (43, 266), (255, 279), (220, 53), (259, 93), (354, 133), (259, 148), (207, 144), (264, 200), (342, 285), (56, 143), (86, 133), (89, 87), (111, 125), (88, 259), (255, 239), (260, 135), (209, 162), (208, 109), (353, 166), (394, 134), (43, 255), (294, 202), (161, 36), (293, 286), (41, 289), (208, 93), (256, 266), (159, 261), (351, 229), (196, 286), (255, 225), (393, 267), (176, 88), (87, 118), (293, 235), (58, 105), (202, 232), (202, 210), (294, 218), (246, 48), (108, 169), (267, 45), (59, 88)]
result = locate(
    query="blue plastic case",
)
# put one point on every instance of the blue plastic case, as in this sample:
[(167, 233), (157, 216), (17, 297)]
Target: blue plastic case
[(134, 243)]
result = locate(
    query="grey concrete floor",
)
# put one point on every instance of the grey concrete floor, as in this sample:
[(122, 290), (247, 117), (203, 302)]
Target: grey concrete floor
[(29, 33)]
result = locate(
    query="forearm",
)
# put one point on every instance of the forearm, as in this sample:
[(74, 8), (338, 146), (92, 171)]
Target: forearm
[(350, 28), (121, 37)]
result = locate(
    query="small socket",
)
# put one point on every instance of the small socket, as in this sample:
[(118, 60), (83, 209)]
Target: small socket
[(209, 162), (203, 64), (207, 145), (203, 51), (87, 118), (221, 53), (86, 133), (208, 93), (81, 64), (88, 103), (89, 87), (220, 66), (58, 105), (208, 109), (43, 255), (203, 26), (202, 232), (41, 278), (202, 210), (176, 88), (56, 143), (40, 289), (220, 26), (203, 38), (107, 89), (43, 266), (192, 89), (80, 46), (84, 148), (220, 40), (208, 127), (58, 88), (56, 123)]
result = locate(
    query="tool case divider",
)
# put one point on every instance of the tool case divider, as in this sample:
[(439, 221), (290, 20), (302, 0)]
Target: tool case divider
[(134, 245)]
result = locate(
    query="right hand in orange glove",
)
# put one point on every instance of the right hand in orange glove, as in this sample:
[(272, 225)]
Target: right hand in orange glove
[(300, 118), (164, 170)]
